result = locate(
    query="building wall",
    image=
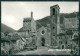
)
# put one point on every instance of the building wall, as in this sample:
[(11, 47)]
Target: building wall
[(6, 47), (64, 40), (69, 22), (20, 44), (27, 24), (33, 26), (45, 35)]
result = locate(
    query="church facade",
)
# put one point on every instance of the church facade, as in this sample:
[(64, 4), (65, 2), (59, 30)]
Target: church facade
[(46, 36), (43, 36)]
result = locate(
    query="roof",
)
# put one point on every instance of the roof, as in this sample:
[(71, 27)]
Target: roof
[(69, 32), (61, 34), (15, 37), (42, 27), (55, 6), (20, 30), (5, 39), (26, 19), (64, 34)]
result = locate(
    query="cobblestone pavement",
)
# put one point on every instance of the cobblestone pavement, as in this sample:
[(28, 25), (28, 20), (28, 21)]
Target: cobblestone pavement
[(43, 51)]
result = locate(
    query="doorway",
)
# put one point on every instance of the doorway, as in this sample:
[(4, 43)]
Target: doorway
[(42, 41), (62, 46)]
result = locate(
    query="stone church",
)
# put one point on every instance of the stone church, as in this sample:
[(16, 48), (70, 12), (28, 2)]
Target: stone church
[(46, 36)]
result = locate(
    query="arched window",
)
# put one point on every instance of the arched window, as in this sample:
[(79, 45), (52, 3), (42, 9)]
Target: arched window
[(53, 11), (66, 42), (59, 37), (61, 42), (28, 31), (71, 37)]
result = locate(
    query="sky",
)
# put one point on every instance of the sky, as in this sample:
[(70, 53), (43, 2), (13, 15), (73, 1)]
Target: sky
[(13, 13)]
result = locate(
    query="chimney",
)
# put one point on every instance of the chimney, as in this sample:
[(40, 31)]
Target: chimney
[(31, 14)]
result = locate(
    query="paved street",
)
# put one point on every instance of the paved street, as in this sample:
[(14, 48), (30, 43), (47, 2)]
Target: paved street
[(43, 51)]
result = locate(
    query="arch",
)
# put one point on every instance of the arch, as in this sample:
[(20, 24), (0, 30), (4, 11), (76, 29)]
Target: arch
[(53, 11), (63, 46), (43, 41)]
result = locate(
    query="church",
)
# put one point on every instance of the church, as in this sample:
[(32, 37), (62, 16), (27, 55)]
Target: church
[(44, 36)]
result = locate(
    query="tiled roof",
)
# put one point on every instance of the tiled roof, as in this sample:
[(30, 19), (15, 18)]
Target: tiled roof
[(14, 37)]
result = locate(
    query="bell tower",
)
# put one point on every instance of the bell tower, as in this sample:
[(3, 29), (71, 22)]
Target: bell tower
[(55, 22)]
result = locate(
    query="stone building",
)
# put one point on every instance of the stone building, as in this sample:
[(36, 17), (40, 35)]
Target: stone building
[(69, 23), (75, 46), (28, 31), (44, 36), (5, 45), (64, 41), (49, 35), (29, 26)]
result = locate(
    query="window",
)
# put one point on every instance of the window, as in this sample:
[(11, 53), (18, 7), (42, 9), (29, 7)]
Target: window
[(71, 37), (68, 45), (59, 37), (43, 32), (28, 31), (53, 27), (66, 42), (6, 34), (61, 42), (53, 11)]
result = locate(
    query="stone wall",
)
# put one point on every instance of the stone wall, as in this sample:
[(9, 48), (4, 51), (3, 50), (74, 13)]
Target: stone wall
[(43, 33)]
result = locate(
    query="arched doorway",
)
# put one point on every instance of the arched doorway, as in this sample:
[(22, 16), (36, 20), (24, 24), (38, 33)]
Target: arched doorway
[(42, 41), (62, 46)]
